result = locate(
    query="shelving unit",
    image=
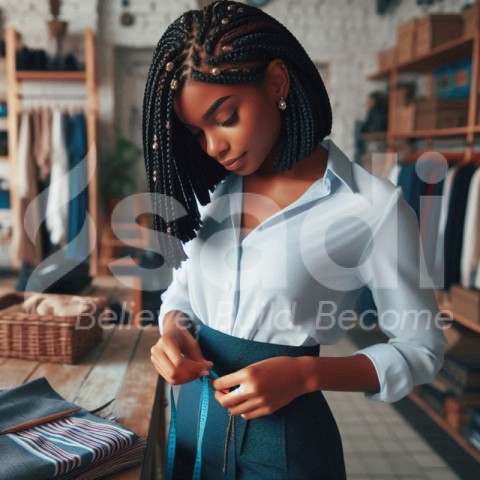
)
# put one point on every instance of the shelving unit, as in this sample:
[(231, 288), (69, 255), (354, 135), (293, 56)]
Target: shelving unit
[(425, 407), (467, 45), (14, 101)]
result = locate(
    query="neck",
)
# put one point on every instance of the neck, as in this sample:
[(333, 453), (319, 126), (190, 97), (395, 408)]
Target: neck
[(312, 164)]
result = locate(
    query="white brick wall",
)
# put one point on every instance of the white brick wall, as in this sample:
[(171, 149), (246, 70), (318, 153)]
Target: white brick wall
[(344, 33)]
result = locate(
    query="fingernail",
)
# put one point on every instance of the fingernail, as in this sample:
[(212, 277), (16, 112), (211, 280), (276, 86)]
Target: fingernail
[(204, 373)]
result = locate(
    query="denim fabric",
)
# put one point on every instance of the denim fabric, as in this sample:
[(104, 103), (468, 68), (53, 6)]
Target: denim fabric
[(21, 404)]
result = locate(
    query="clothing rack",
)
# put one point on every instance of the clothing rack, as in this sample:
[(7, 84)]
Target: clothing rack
[(18, 100)]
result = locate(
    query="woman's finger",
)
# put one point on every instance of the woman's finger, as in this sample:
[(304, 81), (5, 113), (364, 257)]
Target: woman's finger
[(173, 352), (247, 407)]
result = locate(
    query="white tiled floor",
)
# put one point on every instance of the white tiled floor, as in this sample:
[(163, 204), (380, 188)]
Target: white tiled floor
[(378, 443)]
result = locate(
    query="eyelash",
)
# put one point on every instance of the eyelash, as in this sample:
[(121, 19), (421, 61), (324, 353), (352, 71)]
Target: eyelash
[(230, 121), (226, 123)]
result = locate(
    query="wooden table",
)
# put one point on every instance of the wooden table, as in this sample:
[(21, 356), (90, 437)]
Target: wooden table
[(118, 367)]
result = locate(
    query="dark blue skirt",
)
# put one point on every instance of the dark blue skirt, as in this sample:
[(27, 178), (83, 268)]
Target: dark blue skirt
[(300, 441)]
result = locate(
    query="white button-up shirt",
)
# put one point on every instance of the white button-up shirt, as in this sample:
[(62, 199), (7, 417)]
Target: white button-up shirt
[(294, 279)]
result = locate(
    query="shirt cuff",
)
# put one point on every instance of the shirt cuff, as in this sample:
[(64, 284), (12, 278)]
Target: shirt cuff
[(174, 303), (393, 372)]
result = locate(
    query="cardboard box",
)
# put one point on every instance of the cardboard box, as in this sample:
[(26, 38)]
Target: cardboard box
[(471, 18), (406, 37), (405, 117), (466, 302), (435, 113), (405, 93), (387, 58), (437, 29)]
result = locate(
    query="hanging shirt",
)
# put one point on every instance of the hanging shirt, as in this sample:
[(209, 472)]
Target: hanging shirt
[(439, 271), (471, 234), (293, 280), (26, 241), (58, 193), (78, 239)]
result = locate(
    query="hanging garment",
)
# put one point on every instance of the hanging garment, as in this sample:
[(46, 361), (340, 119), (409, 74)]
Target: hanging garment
[(24, 249), (471, 234), (439, 270), (430, 202), (455, 223), (409, 183), (42, 142), (58, 193), (78, 239)]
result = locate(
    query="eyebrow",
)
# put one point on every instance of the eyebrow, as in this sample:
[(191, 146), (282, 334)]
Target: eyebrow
[(214, 106)]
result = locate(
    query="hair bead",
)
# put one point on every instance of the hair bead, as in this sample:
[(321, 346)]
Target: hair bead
[(169, 66), (174, 84), (216, 71)]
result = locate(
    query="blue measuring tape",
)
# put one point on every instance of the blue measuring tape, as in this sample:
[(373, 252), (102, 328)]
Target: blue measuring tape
[(172, 431)]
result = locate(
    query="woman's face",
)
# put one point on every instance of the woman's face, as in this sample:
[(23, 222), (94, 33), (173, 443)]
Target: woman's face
[(237, 125)]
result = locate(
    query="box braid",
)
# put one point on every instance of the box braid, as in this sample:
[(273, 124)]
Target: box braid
[(226, 42)]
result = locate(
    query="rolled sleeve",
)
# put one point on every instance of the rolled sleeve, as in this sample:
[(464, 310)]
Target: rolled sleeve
[(176, 296), (392, 266)]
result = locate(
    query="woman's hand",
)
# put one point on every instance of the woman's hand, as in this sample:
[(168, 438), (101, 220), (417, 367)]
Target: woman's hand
[(265, 387), (169, 356)]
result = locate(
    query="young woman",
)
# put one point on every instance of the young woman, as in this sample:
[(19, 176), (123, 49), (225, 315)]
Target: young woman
[(281, 231)]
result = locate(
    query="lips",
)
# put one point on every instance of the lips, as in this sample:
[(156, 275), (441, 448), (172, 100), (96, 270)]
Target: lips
[(232, 161)]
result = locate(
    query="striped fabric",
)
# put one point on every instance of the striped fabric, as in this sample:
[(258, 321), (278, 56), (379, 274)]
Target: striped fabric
[(72, 442), (78, 445)]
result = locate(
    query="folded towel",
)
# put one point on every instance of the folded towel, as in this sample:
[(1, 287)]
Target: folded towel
[(58, 305)]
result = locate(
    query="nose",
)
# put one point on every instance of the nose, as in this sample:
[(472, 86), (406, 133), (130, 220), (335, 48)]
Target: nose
[(216, 145)]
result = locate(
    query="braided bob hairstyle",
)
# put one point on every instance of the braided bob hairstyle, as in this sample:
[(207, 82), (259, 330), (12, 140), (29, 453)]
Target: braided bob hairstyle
[(231, 43)]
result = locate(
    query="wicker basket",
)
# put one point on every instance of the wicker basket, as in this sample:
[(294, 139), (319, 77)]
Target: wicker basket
[(58, 339)]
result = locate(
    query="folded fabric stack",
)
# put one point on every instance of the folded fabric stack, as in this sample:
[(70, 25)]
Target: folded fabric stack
[(472, 432), (42, 436)]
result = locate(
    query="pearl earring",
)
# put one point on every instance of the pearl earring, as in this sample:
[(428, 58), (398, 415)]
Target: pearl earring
[(282, 104)]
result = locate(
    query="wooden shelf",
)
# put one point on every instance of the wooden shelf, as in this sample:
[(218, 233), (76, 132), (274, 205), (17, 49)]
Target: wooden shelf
[(374, 135), (440, 421), (51, 76), (440, 132), (466, 322), (448, 52), (380, 75)]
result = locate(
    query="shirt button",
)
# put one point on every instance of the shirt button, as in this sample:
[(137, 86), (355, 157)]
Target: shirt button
[(327, 183)]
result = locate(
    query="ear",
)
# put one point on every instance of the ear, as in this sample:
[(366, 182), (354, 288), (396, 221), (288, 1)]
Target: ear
[(277, 79)]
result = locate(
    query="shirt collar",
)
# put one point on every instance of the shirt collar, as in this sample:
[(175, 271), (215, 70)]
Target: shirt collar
[(339, 166)]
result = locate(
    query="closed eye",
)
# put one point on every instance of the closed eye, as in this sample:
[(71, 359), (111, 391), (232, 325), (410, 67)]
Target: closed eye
[(230, 121), (227, 123)]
